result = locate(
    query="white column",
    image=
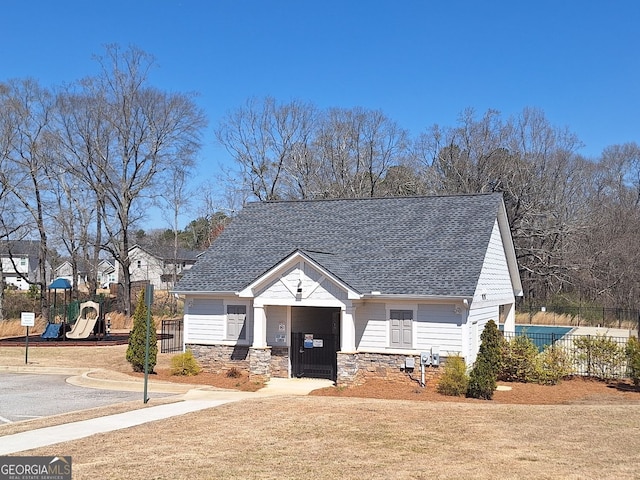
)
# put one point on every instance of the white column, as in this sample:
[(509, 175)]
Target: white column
[(259, 327), (348, 329), (510, 318)]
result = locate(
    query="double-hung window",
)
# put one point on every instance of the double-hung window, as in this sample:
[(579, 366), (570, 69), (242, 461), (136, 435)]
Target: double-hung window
[(401, 324), (236, 322)]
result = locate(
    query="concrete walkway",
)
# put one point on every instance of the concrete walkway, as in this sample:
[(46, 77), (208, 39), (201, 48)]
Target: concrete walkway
[(193, 398)]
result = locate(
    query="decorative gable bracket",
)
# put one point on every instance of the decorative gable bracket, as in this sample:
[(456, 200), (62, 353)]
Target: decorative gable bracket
[(300, 278)]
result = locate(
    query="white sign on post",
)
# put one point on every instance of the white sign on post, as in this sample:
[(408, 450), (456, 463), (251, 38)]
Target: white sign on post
[(28, 319)]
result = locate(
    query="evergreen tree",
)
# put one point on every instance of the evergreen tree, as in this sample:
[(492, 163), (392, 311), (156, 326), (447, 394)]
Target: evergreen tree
[(138, 339), (484, 375)]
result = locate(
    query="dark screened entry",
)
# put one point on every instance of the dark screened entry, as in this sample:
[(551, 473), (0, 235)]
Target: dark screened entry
[(315, 341)]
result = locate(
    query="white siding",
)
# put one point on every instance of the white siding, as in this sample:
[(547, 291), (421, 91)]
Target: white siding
[(478, 316), (314, 285), (150, 267), (317, 286), (277, 315), (283, 287), (494, 284), (439, 325), (372, 326), (204, 320)]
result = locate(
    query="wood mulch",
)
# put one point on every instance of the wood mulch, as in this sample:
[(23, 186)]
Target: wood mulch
[(570, 391), (577, 390)]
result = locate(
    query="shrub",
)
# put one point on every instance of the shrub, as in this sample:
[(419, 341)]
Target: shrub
[(454, 379), (484, 375), (233, 372), (34, 292), (138, 337), (552, 365), (519, 360), (632, 352), (482, 380), (185, 364), (603, 357)]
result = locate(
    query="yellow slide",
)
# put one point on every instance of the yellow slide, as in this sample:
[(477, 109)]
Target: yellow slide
[(84, 326)]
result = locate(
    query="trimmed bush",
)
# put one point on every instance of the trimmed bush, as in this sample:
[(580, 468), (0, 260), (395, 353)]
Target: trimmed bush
[(552, 365), (185, 364), (603, 357), (484, 375), (519, 360), (138, 337), (454, 380), (632, 352)]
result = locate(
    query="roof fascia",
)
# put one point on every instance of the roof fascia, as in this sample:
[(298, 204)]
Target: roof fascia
[(509, 250), (440, 298), (203, 293)]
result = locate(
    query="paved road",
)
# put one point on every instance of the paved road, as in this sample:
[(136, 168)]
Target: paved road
[(25, 396)]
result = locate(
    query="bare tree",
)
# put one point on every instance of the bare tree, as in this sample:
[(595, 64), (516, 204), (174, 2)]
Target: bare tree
[(81, 132), (534, 165), (143, 133), (357, 147), (270, 144), (175, 199), (608, 251), (291, 150), (27, 155)]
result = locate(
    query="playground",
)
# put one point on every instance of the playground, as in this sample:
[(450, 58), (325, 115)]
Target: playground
[(75, 320), (72, 322)]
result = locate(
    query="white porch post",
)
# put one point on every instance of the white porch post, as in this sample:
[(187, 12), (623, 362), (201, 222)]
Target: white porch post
[(259, 327), (348, 329), (510, 318)]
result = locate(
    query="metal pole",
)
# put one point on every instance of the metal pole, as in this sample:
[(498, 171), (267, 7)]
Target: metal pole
[(148, 300), (26, 351)]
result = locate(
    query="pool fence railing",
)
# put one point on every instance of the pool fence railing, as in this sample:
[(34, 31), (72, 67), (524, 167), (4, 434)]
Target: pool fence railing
[(598, 356)]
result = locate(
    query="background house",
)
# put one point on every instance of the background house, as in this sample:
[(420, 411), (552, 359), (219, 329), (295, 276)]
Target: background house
[(343, 289), (20, 259), (106, 273), (157, 265)]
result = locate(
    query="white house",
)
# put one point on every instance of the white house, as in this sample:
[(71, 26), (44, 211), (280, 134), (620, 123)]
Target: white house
[(20, 263), (157, 265), (345, 289), (106, 273)]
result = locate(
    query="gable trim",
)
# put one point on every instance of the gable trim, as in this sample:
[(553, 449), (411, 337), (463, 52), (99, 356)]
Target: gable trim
[(273, 274), (509, 250)]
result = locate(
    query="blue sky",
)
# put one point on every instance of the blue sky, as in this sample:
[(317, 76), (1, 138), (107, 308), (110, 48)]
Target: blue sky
[(420, 62)]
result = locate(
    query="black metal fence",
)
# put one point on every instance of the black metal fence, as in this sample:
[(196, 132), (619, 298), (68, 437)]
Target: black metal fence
[(598, 356), (582, 316), (171, 336)]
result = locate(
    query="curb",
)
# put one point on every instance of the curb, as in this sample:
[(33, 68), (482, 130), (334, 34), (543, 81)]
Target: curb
[(85, 380)]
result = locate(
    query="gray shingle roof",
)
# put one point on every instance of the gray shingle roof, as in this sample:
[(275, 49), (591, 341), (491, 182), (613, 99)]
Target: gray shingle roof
[(398, 246), (20, 247)]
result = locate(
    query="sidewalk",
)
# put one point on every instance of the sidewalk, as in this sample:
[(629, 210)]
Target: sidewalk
[(194, 398)]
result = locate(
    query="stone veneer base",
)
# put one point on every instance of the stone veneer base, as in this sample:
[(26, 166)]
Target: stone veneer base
[(264, 363)]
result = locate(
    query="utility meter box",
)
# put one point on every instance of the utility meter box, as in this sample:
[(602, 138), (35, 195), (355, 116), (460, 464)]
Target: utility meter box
[(425, 358), (435, 356), (409, 363)]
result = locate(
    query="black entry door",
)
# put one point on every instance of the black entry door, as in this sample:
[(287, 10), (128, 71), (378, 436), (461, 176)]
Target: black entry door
[(314, 355)]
